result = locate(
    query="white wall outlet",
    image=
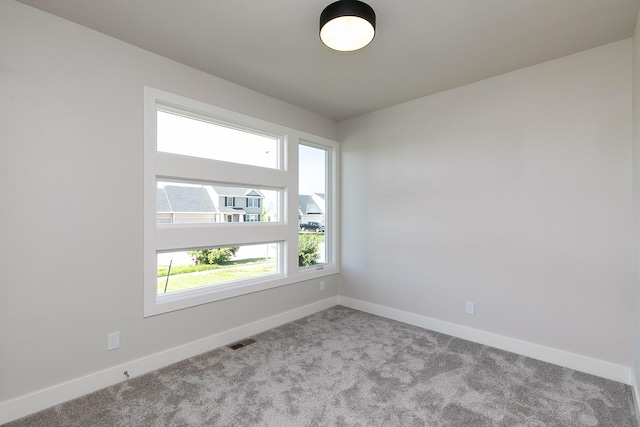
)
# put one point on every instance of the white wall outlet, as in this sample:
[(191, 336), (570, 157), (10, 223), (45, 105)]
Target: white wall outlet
[(470, 308), (322, 285), (113, 340)]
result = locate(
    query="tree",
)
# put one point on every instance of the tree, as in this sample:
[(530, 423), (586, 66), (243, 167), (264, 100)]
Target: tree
[(308, 250), (213, 256)]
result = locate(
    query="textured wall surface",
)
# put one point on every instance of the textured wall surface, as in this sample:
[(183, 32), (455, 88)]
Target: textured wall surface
[(513, 193)]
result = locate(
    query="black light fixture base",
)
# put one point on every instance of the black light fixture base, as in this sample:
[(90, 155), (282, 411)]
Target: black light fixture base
[(348, 8)]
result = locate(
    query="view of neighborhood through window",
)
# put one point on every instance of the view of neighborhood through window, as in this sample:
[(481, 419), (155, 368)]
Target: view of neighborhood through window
[(199, 203), (312, 182), (222, 213), (179, 271), (188, 136)]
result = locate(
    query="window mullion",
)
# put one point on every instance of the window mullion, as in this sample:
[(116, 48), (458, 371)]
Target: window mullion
[(177, 167), (190, 236)]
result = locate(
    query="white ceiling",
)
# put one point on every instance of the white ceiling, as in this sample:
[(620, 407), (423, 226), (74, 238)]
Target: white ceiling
[(421, 46)]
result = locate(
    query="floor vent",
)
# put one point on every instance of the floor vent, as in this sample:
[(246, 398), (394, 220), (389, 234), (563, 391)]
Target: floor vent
[(241, 344)]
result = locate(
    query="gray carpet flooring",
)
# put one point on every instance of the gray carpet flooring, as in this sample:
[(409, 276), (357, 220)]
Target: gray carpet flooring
[(342, 367)]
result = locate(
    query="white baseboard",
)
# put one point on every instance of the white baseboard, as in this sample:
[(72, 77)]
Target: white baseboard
[(578, 362), (24, 405), (45, 398), (636, 394)]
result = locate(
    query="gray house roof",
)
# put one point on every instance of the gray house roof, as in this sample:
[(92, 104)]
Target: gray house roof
[(189, 199), (237, 192), (307, 206), (174, 198), (162, 203)]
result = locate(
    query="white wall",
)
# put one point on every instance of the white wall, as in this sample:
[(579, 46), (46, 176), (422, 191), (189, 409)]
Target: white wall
[(636, 207), (519, 191), (71, 211)]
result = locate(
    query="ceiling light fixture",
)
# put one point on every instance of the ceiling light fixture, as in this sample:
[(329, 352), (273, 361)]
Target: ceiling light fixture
[(347, 25)]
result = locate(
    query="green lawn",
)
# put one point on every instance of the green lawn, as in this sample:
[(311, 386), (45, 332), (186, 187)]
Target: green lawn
[(191, 268), (193, 276), (219, 275)]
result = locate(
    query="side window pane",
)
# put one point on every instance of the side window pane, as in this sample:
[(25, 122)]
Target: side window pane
[(178, 202), (312, 183), (198, 138), (180, 271)]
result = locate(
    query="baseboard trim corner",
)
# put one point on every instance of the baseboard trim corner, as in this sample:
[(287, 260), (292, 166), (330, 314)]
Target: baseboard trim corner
[(22, 406), (563, 358), (636, 393)]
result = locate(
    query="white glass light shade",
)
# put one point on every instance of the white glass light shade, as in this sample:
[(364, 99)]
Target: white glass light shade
[(347, 33)]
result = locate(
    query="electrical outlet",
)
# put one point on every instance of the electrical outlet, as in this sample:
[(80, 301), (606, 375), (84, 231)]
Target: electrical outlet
[(113, 341), (470, 308), (322, 285)]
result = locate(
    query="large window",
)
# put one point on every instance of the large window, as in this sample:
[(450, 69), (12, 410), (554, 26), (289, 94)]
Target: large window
[(223, 196)]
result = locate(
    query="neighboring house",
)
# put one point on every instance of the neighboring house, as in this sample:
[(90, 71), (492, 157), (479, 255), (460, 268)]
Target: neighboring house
[(311, 208), (237, 204), (181, 204), (178, 204), (163, 208)]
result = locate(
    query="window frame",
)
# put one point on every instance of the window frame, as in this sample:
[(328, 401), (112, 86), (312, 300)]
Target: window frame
[(164, 237), (329, 214)]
